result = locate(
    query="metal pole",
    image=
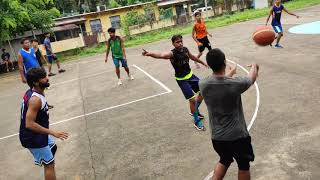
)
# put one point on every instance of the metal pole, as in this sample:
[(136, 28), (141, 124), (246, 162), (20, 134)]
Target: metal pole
[(206, 5)]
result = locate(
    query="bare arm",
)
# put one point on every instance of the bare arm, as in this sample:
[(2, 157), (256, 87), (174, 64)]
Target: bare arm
[(166, 55), (194, 58), (232, 70), (123, 49), (270, 14), (290, 13), (194, 36), (107, 53), (34, 105), (21, 69), (43, 59), (253, 74)]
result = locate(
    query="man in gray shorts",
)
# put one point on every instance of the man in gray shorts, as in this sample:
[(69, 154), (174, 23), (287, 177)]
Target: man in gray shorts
[(229, 134)]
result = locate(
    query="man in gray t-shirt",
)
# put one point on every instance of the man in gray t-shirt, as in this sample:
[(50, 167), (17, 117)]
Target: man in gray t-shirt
[(222, 95)]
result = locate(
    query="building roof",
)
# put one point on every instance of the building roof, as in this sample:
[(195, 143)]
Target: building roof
[(107, 10), (64, 27), (171, 2), (69, 21)]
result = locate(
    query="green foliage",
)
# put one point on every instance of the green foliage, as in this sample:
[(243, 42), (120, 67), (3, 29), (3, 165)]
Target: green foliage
[(125, 27), (135, 18), (12, 17), (166, 13), (114, 4)]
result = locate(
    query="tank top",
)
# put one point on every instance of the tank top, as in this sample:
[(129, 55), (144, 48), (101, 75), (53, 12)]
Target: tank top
[(276, 17), (28, 138), (115, 45), (180, 63), (200, 29), (29, 59)]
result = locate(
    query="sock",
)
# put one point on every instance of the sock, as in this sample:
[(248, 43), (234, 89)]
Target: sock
[(196, 117), (197, 106)]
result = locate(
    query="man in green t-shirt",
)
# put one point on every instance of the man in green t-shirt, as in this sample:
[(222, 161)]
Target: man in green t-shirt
[(116, 44)]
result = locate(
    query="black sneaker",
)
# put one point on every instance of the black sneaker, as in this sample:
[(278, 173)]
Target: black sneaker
[(51, 74), (62, 71), (50, 106), (199, 115)]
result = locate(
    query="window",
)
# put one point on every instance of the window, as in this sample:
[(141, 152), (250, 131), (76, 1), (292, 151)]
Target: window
[(115, 22), (96, 25)]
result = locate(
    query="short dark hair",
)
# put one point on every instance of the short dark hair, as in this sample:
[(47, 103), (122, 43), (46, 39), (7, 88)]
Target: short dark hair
[(23, 40), (112, 30), (175, 37), (34, 40), (197, 13), (34, 75), (216, 59)]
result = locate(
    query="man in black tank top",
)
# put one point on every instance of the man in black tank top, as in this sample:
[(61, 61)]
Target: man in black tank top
[(187, 81), (34, 132)]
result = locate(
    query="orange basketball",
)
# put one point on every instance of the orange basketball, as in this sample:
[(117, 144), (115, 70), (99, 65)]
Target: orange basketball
[(263, 36)]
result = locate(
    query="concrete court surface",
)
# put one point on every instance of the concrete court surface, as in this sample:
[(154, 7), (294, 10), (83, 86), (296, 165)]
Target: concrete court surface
[(150, 135)]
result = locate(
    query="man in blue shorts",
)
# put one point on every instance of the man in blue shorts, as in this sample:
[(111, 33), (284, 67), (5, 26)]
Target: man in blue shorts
[(275, 12), (51, 56), (34, 133), (187, 81), (116, 44)]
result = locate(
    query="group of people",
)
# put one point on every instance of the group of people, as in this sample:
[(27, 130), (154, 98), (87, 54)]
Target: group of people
[(220, 91)]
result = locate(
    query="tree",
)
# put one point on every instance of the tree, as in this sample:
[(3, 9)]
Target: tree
[(42, 13), (12, 16)]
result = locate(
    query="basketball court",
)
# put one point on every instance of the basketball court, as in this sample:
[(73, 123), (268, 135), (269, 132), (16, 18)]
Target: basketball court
[(143, 130)]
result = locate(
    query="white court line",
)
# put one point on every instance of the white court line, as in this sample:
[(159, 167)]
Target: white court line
[(112, 107), (255, 111), (85, 77)]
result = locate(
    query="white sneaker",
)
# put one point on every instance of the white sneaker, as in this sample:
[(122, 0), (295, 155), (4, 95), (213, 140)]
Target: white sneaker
[(119, 82), (131, 77)]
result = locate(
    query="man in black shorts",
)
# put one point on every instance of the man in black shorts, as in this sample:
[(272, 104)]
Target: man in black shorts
[(187, 81), (6, 60), (222, 95)]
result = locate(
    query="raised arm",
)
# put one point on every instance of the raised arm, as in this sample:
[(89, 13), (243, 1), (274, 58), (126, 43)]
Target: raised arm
[(34, 105), (194, 58), (165, 55), (21, 69), (122, 47), (290, 12), (232, 70), (270, 14), (253, 74)]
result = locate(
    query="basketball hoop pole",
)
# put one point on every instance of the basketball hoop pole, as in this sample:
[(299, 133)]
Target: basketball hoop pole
[(206, 5)]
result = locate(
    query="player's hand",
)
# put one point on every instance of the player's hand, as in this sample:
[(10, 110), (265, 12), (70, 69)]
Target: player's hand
[(200, 44), (145, 53), (61, 135), (233, 69), (24, 80), (254, 65), (210, 35), (106, 60)]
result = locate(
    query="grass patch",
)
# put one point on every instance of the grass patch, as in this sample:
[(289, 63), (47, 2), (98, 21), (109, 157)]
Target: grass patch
[(166, 33)]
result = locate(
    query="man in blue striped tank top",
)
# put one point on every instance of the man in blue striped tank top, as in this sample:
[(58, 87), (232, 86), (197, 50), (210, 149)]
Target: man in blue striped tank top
[(26, 59)]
